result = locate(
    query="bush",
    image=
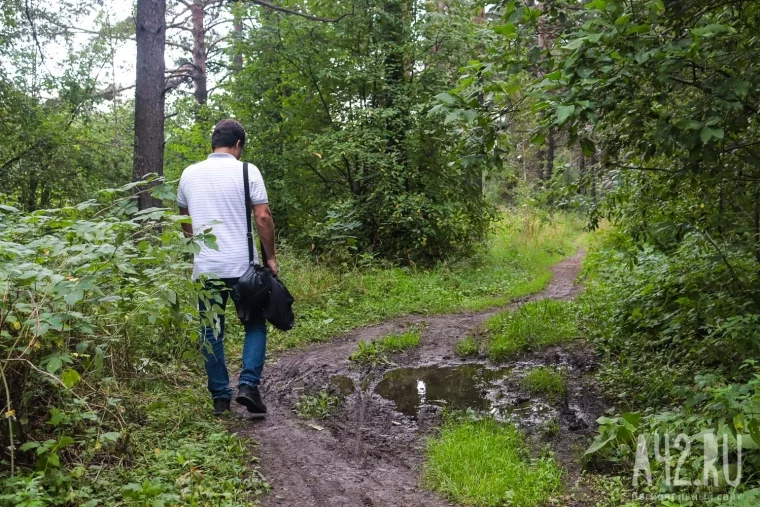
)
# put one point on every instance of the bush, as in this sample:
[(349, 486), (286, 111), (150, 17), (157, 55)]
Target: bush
[(95, 296), (663, 318), (679, 333)]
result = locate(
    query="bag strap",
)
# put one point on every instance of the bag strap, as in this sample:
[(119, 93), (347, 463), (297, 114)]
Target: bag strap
[(248, 225), (247, 189)]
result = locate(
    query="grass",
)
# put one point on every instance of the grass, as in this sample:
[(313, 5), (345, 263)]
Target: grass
[(467, 347), (376, 352), (548, 382), (318, 406), (486, 464), (534, 325), (515, 261)]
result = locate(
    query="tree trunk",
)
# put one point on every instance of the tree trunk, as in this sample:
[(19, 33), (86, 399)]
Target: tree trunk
[(393, 37), (551, 146), (149, 95), (200, 75), (237, 59)]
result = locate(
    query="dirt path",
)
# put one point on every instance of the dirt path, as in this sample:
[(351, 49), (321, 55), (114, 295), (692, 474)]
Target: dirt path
[(368, 454)]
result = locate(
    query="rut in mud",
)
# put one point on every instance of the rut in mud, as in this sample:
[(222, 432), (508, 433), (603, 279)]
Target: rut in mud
[(370, 452)]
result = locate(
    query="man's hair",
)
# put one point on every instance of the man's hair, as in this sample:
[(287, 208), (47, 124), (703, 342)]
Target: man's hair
[(226, 134)]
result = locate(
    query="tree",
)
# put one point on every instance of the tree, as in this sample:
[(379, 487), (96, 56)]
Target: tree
[(354, 162), (149, 95)]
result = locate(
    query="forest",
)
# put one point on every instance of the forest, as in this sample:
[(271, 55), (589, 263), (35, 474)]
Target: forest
[(523, 239)]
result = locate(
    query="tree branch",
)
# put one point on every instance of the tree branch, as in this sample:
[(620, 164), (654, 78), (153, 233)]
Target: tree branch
[(285, 10)]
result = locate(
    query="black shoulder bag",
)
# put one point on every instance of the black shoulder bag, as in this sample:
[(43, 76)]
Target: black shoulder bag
[(259, 288)]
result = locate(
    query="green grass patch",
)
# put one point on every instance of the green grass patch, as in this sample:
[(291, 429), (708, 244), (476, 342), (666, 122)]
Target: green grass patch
[(376, 352), (467, 347), (318, 406), (514, 261), (545, 381), (486, 463), (534, 325)]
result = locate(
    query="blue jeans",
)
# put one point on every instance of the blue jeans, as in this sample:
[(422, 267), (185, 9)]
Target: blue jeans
[(254, 347)]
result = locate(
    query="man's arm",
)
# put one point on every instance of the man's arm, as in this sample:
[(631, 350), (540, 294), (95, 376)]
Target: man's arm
[(265, 227), (186, 228)]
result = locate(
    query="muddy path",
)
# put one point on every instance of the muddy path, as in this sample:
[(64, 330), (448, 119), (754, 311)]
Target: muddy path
[(369, 452)]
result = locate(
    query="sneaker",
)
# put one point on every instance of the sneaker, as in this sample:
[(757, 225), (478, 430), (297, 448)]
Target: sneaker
[(221, 405), (250, 397)]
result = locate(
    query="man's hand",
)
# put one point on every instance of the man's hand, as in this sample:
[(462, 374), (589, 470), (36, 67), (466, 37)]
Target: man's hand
[(273, 266)]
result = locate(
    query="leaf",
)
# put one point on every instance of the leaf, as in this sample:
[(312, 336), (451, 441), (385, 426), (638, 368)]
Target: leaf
[(111, 436), (9, 209), (564, 112), (70, 377), (709, 30), (452, 116), (470, 115), (54, 364), (708, 133), (28, 446), (447, 98), (739, 423), (598, 5), (754, 430), (510, 30), (74, 297), (598, 444)]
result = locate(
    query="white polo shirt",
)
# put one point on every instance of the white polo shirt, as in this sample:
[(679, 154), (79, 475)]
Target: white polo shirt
[(213, 193)]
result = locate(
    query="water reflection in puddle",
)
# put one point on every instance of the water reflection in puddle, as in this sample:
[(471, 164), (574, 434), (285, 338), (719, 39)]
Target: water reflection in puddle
[(460, 387), (472, 386), (344, 384)]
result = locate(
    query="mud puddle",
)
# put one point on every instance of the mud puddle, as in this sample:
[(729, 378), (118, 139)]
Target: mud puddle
[(457, 387), (370, 451)]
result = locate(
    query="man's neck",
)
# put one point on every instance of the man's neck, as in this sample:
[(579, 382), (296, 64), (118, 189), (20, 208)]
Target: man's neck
[(227, 151)]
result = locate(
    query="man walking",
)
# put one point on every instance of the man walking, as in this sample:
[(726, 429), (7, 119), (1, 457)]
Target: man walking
[(212, 194)]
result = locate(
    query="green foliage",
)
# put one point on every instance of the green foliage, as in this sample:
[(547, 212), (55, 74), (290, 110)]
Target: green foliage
[(532, 326), (178, 454), (376, 352), (515, 261), (486, 463), (545, 381), (319, 406), (354, 162), (663, 318), (94, 294), (679, 339)]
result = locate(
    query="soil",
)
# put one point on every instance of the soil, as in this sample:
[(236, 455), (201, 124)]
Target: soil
[(369, 454)]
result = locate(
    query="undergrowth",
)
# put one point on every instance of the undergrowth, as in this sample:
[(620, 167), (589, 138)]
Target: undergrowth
[(678, 332), (172, 451)]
